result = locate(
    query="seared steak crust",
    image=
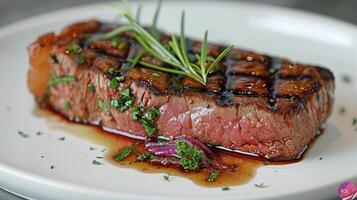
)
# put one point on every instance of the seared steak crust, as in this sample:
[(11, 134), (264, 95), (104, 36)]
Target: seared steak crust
[(253, 103)]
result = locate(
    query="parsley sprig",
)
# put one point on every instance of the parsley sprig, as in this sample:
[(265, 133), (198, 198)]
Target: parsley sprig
[(190, 156)]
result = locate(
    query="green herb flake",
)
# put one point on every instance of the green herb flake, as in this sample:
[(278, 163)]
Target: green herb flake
[(99, 157), (261, 185), (124, 102), (61, 139), (38, 133), (113, 83), (91, 87), (114, 42), (125, 92), (225, 188), (153, 112), (121, 45), (176, 84), (272, 70), (73, 48), (52, 167), (167, 177), (143, 156), (81, 59), (54, 80), (125, 152), (354, 121), (115, 80), (190, 156), (22, 134), (148, 126), (213, 176), (346, 78), (94, 162), (162, 139), (342, 110), (91, 148), (156, 75), (103, 106)]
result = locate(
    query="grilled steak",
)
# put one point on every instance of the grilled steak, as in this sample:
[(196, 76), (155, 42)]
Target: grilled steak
[(252, 103)]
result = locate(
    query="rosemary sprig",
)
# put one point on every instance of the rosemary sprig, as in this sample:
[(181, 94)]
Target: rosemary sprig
[(138, 13), (153, 29), (174, 55)]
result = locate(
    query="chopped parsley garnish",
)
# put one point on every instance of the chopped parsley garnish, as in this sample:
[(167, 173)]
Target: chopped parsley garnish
[(38, 133), (22, 134), (54, 80), (342, 110), (61, 138), (213, 176), (81, 59), (103, 106), (148, 126), (91, 87), (114, 42), (94, 162), (167, 177), (143, 156), (121, 45), (74, 48), (146, 120), (99, 157), (162, 139), (346, 78), (114, 81), (354, 121), (153, 112), (190, 156), (125, 152), (91, 148), (272, 70), (225, 188), (261, 185), (176, 84), (125, 92), (52, 166), (124, 102)]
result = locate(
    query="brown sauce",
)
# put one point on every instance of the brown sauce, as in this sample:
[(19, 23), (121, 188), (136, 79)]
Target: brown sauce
[(244, 170)]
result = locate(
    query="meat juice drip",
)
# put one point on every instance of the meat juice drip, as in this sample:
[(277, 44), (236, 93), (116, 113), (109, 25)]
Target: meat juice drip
[(243, 168)]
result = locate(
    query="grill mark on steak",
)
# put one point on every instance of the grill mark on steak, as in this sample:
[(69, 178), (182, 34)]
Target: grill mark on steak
[(253, 103)]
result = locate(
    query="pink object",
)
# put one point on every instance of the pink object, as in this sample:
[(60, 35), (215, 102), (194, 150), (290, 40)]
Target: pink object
[(347, 191)]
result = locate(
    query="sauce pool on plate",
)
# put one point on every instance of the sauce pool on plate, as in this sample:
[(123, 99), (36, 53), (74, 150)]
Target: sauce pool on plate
[(242, 168)]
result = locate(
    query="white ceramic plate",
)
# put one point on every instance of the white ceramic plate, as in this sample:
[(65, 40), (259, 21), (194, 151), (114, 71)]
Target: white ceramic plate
[(301, 36)]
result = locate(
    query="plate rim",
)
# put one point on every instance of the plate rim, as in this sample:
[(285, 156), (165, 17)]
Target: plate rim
[(45, 18)]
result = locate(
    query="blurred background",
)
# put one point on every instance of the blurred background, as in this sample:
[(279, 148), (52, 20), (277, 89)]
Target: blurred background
[(14, 10)]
